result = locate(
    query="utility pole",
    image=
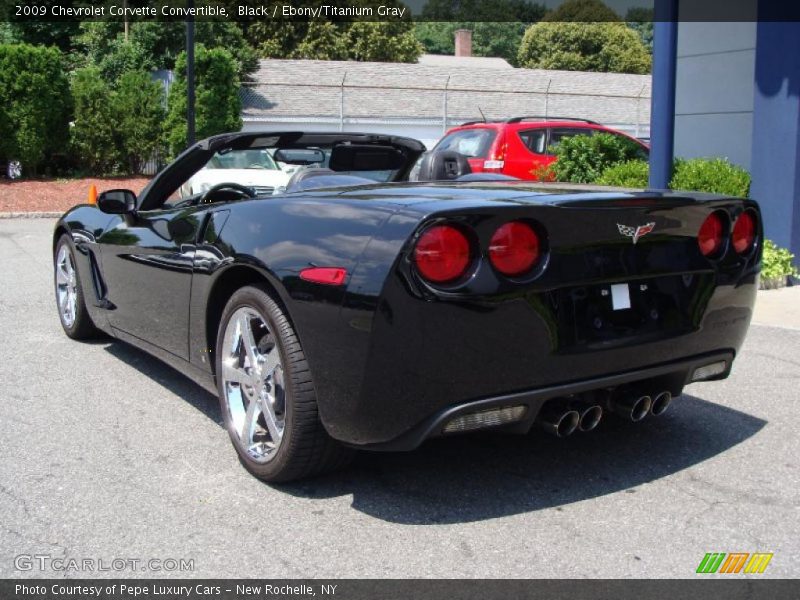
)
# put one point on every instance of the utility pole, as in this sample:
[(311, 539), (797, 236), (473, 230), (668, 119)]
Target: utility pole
[(190, 76), (125, 9)]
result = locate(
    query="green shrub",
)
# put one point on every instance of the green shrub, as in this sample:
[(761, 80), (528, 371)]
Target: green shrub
[(582, 158), (217, 104), (116, 129), (776, 266), (34, 94), (95, 138), (712, 175), (602, 47), (137, 104), (631, 174)]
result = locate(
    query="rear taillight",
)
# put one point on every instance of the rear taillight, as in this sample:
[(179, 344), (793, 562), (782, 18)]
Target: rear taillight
[(711, 236), (442, 254), (514, 249), (744, 232), (496, 160)]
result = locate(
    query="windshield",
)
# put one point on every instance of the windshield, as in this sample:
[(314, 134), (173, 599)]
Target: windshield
[(243, 159), (473, 143)]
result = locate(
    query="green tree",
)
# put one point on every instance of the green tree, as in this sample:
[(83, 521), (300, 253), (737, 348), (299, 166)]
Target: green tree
[(45, 33), (384, 41), (218, 107), (8, 34), (605, 47), (95, 137), (641, 21), (323, 41), (34, 94), (138, 105), (157, 44), (587, 11), (122, 57), (337, 39)]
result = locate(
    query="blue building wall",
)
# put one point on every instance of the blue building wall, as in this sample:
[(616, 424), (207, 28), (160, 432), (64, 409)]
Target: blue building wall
[(775, 163), (738, 96)]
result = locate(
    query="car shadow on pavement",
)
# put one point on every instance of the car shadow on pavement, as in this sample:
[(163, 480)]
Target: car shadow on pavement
[(477, 477), (484, 476), (170, 378)]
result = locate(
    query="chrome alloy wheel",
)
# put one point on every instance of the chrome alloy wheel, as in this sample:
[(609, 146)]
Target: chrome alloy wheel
[(66, 286), (253, 384)]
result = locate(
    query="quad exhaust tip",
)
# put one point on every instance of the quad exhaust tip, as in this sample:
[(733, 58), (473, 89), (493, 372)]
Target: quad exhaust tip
[(634, 408), (590, 417), (559, 421), (660, 403)]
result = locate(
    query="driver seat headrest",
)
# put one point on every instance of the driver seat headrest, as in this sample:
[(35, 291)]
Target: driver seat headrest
[(444, 165)]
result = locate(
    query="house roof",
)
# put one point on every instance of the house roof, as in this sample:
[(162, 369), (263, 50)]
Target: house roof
[(471, 62), (389, 91)]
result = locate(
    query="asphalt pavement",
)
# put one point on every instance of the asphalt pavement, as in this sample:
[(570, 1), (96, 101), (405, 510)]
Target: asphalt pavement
[(105, 453)]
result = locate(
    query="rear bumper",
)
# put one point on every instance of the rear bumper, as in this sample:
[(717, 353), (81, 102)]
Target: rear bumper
[(677, 373)]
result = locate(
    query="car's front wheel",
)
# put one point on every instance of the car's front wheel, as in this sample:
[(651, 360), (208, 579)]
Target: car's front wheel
[(266, 393), (72, 311)]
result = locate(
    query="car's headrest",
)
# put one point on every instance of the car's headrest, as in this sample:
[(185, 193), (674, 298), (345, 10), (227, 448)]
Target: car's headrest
[(444, 165)]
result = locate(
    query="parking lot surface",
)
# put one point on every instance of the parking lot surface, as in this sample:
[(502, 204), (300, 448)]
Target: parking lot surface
[(108, 454)]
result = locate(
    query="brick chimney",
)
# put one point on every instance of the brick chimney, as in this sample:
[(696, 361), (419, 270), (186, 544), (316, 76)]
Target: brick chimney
[(463, 42)]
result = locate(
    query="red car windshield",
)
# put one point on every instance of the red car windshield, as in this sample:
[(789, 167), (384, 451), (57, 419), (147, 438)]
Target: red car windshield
[(472, 143)]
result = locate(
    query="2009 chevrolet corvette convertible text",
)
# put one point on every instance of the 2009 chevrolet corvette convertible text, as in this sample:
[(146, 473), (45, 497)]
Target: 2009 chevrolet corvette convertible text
[(357, 309)]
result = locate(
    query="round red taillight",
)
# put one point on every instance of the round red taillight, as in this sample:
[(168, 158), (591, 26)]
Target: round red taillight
[(744, 233), (442, 254), (711, 235), (514, 248)]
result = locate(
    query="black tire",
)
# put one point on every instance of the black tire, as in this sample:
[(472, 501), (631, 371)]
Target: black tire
[(305, 449), (82, 327)]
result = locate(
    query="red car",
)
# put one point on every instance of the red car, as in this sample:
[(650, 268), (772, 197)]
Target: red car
[(520, 146)]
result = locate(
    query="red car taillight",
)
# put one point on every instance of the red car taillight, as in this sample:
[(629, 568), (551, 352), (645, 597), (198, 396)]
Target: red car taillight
[(442, 254), (514, 248), (711, 236), (744, 232), (496, 160)]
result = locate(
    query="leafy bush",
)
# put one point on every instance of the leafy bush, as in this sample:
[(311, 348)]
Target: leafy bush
[(631, 174), (712, 175), (582, 158), (604, 47), (776, 266), (157, 44), (94, 131), (116, 128), (34, 94), (384, 41), (389, 41), (217, 104), (137, 104)]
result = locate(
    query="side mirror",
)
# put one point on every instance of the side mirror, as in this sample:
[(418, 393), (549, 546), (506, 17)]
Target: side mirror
[(117, 202)]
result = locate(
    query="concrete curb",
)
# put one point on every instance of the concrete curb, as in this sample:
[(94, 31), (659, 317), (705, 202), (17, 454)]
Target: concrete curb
[(30, 215)]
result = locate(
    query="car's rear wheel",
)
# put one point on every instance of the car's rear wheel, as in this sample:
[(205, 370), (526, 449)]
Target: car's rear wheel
[(72, 311), (266, 392)]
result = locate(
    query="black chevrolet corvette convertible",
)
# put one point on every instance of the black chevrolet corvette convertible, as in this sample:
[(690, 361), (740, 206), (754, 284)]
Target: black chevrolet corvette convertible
[(358, 309)]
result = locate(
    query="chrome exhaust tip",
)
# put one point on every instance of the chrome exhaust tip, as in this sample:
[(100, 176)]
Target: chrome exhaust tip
[(558, 421), (634, 408), (590, 417), (661, 403)]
